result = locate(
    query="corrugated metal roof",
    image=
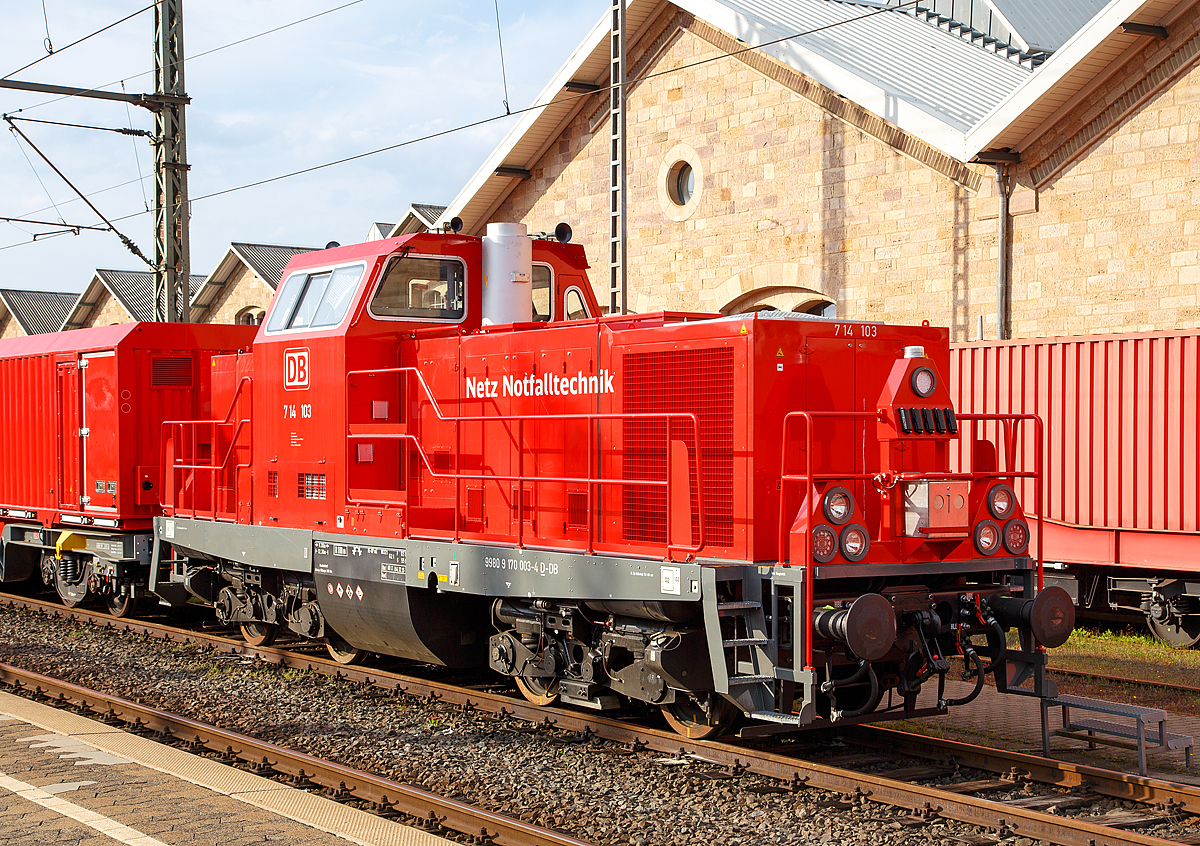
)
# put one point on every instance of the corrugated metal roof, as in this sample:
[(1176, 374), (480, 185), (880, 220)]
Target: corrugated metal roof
[(1047, 25), (268, 260), (428, 214), (134, 289), (907, 60), (38, 312)]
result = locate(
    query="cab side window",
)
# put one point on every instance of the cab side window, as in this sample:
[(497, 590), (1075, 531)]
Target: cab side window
[(421, 288), (543, 291), (576, 307)]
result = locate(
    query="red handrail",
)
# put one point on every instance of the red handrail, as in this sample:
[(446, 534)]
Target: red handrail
[(592, 481), (176, 436), (808, 476)]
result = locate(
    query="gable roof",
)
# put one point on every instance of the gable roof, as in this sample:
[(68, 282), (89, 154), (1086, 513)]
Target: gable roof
[(266, 261), (379, 231), (38, 312), (421, 217), (133, 289), (952, 90)]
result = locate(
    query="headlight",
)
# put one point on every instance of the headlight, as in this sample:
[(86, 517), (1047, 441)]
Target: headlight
[(855, 542), (922, 381), (987, 537), (838, 505), (824, 544), (1002, 502), (1016, 537)]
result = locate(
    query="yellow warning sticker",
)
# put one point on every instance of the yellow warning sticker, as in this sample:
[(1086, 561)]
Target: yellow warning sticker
[(780, 352), (743, 328)]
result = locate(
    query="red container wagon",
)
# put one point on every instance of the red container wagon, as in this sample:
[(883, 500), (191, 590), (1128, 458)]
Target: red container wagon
[(1121, 513), (80, 420)]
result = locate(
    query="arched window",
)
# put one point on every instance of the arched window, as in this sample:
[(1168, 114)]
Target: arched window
[(250, 316)]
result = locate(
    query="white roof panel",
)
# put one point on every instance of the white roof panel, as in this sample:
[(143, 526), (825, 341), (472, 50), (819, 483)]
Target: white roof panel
[(851, 47), (1048, 25)]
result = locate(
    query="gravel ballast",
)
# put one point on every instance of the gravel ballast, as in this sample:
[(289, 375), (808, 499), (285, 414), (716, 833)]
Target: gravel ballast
[(595, 791)]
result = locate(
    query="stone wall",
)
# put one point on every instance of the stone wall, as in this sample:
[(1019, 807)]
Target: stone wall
[(10, 328), (804, 193), (108, 311), (243, 290)]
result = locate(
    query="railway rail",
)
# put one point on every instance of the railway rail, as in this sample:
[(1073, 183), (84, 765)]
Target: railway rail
[(1088, 674), (381, 796), (778, 761)]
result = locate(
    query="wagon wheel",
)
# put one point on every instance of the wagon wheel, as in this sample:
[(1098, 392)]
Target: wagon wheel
[(1177, 633), (259, 634), (341, 651), (687, 717), (76, 592), (539, 691), (120, 604)]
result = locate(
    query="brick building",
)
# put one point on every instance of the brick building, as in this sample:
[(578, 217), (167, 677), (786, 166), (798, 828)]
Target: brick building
[(859, 166)]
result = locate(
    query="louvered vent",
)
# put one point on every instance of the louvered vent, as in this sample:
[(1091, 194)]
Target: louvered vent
[(170, 372), (698, 382), (273, 483)]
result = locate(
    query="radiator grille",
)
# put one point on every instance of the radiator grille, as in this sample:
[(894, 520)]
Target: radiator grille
[(311, 486), (698, 382), (170, 371)]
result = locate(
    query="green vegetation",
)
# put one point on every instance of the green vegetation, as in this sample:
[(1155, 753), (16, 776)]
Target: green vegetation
[(1129, 654)]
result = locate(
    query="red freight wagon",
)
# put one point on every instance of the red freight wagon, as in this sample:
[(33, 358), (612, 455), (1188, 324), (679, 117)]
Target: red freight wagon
[(1121, 512), (80, 426)]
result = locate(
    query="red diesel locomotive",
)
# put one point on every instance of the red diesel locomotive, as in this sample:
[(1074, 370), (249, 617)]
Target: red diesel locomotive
[(435, 447)]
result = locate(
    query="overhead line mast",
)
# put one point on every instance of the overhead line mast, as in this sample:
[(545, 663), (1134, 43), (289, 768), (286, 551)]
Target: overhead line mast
[(172, 265)]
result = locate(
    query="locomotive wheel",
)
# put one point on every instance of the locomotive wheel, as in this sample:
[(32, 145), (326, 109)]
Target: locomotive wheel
[(259, 634), (1183, 633), (686, 717), (120, 604), (539, 691), (341, 651)]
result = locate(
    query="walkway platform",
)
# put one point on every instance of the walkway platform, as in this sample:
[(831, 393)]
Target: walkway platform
[(1015, 723), (71, 780)]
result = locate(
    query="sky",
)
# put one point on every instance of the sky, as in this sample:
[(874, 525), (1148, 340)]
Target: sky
[(369, 75)]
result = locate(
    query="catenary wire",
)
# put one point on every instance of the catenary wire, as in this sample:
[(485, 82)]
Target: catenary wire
[(535, 107), (80, 41), (503, 73), (198, 55)]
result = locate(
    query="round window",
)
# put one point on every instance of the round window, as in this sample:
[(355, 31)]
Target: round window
[(685, 184), (681, 183)]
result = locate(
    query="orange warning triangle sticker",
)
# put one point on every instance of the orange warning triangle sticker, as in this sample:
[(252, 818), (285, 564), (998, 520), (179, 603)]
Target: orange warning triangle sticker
[(780, 352)]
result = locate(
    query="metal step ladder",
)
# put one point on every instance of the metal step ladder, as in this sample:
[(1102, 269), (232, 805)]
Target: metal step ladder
[(743, 664)]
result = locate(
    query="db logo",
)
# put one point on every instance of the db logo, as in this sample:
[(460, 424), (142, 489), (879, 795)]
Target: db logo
[(295, 364)]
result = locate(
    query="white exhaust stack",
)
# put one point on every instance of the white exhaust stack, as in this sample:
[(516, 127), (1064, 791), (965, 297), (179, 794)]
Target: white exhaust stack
[(507, 274)]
